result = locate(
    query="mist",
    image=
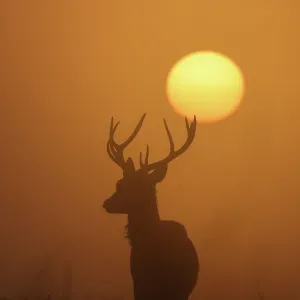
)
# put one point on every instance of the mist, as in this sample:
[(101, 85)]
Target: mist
[(67, 69)]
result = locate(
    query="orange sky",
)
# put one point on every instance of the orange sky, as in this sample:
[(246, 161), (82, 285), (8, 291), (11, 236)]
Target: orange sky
[(67, 68)]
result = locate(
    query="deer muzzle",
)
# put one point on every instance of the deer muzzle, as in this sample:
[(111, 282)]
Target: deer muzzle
[(114, 205)]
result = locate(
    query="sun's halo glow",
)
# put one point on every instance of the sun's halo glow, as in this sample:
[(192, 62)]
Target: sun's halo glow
[(206, 84)]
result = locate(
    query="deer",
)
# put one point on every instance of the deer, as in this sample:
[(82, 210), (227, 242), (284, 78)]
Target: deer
[(163, 260)]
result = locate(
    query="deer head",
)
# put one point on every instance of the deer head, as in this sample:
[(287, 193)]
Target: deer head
[(138, 186)]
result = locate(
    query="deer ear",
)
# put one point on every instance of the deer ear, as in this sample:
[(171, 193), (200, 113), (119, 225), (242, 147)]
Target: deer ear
[(159, 173), (129, 167)]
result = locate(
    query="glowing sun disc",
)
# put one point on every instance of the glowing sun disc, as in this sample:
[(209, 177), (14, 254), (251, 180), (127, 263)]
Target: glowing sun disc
[(206, 84)]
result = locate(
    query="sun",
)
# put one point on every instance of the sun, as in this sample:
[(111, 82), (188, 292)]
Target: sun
[(206, 84)]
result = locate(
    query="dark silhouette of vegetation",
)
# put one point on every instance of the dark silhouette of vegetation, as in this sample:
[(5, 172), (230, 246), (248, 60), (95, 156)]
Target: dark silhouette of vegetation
[(164, 262), (260, 293)]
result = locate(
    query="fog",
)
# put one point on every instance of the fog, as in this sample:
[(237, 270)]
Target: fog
[(67, 68)]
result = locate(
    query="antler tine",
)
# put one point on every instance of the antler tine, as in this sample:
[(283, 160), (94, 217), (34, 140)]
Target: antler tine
[(141, 160), (135, 132), (147, 156), (115, 150), (132, 136), (113, 128), (172, 146), (112, 149), (144, 164), (110, 154), (191, 131)]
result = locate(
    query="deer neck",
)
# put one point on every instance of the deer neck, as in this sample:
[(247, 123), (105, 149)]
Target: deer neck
[(141, 224)]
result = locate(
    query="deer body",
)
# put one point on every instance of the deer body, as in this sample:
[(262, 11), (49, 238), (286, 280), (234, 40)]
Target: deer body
[(165, 266), (163, 262)]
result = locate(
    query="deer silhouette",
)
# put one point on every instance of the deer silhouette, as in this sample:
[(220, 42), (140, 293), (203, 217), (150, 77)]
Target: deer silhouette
[(163, 262)]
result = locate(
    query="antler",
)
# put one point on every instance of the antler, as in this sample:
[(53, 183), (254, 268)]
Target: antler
[(116, 151), (191, 131)]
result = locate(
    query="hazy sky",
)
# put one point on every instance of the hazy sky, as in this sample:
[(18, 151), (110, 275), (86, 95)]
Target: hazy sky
[(68, 66)]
